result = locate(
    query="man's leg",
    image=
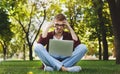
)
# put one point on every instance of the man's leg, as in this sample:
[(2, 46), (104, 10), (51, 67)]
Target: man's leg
[(46, 58), (77, 54)]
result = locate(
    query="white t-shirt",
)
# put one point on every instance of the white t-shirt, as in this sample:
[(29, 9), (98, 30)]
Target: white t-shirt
[(57, 38)]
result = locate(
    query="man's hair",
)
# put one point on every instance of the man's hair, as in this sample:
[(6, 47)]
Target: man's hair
[(60, 17)]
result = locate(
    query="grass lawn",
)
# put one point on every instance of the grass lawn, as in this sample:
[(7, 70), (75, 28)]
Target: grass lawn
[(31, 67)]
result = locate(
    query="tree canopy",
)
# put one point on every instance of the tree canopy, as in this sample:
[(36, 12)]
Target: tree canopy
[(92, 21)]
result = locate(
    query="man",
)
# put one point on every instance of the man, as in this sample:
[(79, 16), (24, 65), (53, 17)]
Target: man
[(60, 63)]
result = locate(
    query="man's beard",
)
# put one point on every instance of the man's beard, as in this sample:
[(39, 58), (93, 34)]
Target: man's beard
[(59, 31)]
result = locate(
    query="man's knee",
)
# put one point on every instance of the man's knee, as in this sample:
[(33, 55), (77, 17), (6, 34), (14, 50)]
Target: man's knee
[(83, 47), (37, 47)]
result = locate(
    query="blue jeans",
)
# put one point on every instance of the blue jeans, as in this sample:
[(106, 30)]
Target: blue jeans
[(56, 62)]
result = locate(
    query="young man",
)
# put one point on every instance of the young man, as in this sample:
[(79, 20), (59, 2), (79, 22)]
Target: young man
[(60, 63)]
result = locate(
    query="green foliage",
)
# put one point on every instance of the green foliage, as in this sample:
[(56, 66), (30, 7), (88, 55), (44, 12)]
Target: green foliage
[(52, 10), (81, 14), (5, 32), (4, 26)]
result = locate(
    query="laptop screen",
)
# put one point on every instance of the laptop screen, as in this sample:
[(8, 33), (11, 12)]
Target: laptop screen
[(60, 47)]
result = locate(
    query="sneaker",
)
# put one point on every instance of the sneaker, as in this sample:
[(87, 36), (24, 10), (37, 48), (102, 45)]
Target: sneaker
[(48, 68), (74, 69)]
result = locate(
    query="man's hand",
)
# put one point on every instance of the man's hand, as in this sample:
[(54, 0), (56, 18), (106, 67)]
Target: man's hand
[(67, 25), (45, 31), (74, 36)]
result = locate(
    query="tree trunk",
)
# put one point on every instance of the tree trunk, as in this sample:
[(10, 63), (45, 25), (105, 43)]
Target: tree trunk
[(30, 53), (100, 49), (114, 6), (103, 31), (105, 47), (4, 50), (24, 57)]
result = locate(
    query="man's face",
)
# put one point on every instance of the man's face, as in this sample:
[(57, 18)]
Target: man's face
[(59, 26)]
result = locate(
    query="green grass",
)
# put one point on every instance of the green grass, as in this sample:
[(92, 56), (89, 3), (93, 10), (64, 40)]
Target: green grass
[(88, 67)]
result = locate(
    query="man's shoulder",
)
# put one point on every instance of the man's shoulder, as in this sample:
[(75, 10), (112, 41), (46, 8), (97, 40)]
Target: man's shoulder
[(64, 33), (51, 33)]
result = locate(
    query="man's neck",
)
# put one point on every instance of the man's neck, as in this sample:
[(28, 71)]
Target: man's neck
[(58, 35)]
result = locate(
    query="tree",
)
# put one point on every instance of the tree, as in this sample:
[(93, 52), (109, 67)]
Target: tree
[(99, 11), (18, 43), (114, 6), (5, 32), (26, 13)]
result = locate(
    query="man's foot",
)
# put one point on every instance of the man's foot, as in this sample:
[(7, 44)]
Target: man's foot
[(71, 69), (63, 68), (74, 69), (48, 68)]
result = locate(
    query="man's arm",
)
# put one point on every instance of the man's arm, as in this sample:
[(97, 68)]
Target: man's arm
[(45, 31), (74, 36)]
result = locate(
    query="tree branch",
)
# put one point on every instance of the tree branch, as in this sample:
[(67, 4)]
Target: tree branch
[(29, 24), (1, 43), (40, 26), (21, 25)]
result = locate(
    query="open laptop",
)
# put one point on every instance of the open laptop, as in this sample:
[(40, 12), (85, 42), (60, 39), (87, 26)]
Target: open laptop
[(60, 47)]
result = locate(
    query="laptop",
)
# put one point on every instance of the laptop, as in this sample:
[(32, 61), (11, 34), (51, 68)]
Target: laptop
[(60, 47)]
